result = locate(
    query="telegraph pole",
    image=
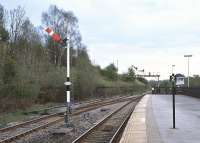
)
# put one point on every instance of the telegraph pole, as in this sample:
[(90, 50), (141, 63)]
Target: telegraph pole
[(158, 84), (117, 67)]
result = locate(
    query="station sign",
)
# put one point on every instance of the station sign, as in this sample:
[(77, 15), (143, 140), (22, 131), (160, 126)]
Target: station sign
[(180, 79)]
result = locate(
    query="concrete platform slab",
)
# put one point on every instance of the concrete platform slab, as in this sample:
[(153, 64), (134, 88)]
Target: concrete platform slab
[(151, 122), (135, 131), (187, 118)]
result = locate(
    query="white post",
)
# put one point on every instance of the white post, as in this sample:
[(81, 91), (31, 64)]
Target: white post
[(68, 60), (67, 83)]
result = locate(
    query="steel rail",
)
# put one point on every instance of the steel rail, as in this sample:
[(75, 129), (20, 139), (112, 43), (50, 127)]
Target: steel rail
[(90, 131), (116, 137), (94, 104), (60, 118)]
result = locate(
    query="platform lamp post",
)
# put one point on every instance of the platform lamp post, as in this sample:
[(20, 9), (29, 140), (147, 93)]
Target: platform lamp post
[(136, 69), (173, 68), (188, 56), (65, 43)]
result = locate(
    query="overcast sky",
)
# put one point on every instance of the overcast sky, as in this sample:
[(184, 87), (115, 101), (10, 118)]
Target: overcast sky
[(150, 34)]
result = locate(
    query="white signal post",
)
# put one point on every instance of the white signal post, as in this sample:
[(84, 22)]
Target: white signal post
[(67, 83)]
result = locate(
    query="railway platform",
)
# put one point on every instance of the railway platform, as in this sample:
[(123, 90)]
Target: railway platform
[(151, 121)]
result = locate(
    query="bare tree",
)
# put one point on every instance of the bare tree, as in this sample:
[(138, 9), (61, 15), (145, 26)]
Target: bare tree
[(66, 24), (1, 15), (16, 20), (3, 33)]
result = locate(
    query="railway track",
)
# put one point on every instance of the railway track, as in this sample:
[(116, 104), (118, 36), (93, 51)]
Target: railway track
[(81, 104), (12, 133), (63, 105), (109, 129)]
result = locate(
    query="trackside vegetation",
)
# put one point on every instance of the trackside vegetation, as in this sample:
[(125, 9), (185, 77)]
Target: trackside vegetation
[(33, 67)]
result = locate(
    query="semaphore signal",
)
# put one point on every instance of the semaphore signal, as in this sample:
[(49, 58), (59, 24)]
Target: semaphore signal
[(55, 37), (65, 42)]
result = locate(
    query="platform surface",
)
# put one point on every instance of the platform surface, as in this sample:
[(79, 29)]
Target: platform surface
[(157, 125), (187, 118), (135, 131)]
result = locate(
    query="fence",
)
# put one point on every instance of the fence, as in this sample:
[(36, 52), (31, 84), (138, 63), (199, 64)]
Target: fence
[(192, 91)]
